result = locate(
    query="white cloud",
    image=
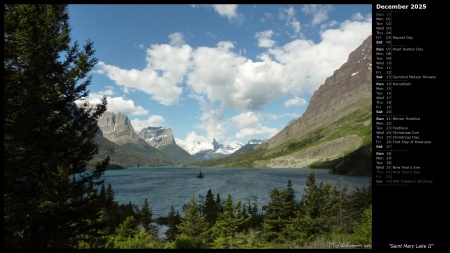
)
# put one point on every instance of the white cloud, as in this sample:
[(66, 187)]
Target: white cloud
[(229, 11), (358, 16), (246, 120), (288, 14), (166, 67), (153, 121), (118, 104), (264, 38), (306, 65), (176, 39), (318, 11), (235, 81), (192, 137), (248, 125), (266, 16), (211, 118), (295, 26), (221, 79), (295, 102), (108, 92)]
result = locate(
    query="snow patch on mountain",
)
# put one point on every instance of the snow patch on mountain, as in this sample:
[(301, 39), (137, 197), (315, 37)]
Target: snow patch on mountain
[(215, 147)]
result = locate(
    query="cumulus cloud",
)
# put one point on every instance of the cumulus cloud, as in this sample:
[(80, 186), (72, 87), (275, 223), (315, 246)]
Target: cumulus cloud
[(248, 125), (235, 81), (192, 137), (264, 38), (166, 67), (211, 118), (307, 65), (225, 10), (221, 79), (152, 121), (295, 102), (318, 11), (117, 104)]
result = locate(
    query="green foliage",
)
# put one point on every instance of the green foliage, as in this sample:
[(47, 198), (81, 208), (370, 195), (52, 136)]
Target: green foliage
[(48, 137), (211, 209), (229, 220), (317, 214), (254, 218), (127, 228), (173, 220), (177, 154), (140, 240), (187, 242), (146, 216), (326, 217), (356, 123), (363, 229), (279, 212), (127, 155), (193, 223), (308, 141)]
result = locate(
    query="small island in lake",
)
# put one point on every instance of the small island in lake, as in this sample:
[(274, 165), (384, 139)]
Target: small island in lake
[(200, 175)]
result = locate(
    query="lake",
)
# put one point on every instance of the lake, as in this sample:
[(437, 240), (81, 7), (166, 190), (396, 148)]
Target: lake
[(174, 186)]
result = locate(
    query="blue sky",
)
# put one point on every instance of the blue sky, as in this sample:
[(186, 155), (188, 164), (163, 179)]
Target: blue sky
[(229, 72)]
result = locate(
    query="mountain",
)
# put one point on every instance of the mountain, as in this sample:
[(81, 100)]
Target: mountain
[(122, 157), (197, 146), (210, 150), (334, 132), (157, 136), (214, 150), (117, 129), (163, 140), (250, 144)]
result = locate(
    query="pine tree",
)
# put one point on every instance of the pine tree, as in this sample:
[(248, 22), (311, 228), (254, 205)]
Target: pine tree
[(318, 213), (111, 216), (127, 229), (363, 229), (288, 197), (102, 194), (343, 207), (173, 219), (109, 195), (273, 221), (218, 203), (211, 211), (227, 224), (48, 135), (193, 223), (146, 216), (279, 212)]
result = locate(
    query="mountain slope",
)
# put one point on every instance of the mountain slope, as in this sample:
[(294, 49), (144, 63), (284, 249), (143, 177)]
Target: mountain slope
[(122, 157), (117, 129), (337, 123), (163, 140)]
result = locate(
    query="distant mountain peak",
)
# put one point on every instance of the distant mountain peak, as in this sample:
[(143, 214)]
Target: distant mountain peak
[(157, 136), (214, 149), (215, 144)]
